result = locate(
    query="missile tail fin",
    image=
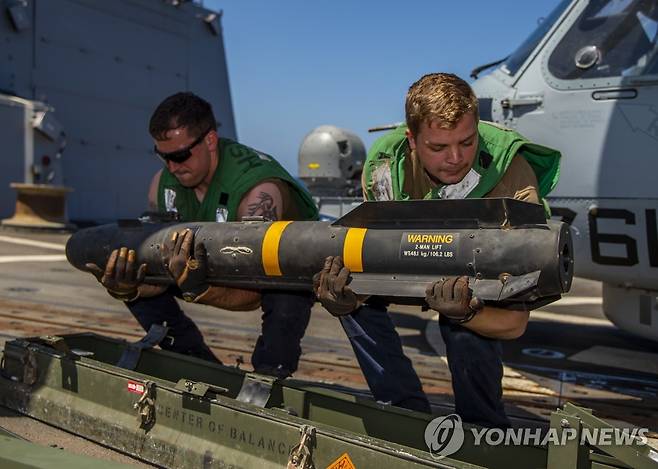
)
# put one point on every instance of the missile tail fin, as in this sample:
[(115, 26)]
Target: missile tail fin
[(436, 214)]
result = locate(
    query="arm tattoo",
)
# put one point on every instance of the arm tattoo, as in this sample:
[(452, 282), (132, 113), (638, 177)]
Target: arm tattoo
[(264, 207)]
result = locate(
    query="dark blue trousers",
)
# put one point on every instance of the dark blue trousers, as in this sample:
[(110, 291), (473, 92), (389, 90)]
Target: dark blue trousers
[(389, 373), (476, 366), (475, 363), (160, 309), (277, 350), (285, 317)]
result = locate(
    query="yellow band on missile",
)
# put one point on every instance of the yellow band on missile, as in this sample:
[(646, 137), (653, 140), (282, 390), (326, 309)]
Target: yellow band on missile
[(353, 249), (270, 248)]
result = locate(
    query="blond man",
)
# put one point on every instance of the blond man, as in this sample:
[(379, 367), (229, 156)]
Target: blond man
[(443, 152)]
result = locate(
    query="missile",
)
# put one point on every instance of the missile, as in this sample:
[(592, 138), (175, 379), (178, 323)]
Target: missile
[(511, 253)]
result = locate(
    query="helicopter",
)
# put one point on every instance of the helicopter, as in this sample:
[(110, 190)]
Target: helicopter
[(586, 82)]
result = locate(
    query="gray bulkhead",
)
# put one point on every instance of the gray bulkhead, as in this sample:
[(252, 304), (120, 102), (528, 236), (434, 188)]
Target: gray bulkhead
[(103, 67)]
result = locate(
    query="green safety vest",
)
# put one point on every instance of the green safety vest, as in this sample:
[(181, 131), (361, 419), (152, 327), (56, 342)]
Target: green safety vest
[(497, 147), (240, 168)]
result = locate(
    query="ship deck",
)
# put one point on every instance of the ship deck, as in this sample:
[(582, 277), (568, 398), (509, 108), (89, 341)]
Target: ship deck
[(570, 351)]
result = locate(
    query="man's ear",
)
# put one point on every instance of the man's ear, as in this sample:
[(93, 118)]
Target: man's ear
[(410, 138), (211, 140)]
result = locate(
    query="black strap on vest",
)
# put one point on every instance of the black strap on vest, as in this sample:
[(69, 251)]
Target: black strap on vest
[(485, 159)]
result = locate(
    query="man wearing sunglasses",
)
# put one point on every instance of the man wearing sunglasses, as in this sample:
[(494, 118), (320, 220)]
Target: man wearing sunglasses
[(208, 178)]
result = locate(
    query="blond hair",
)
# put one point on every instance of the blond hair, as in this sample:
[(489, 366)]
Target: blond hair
[(441, 97)]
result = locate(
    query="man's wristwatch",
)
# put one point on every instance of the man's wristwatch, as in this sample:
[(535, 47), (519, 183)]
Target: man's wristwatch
[(125, 297), (193, 297), (465, 319), (189, 297)]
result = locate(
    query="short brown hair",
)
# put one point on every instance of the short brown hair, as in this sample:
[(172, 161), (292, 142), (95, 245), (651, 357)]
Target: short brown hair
[(182, 109), (441, 97)]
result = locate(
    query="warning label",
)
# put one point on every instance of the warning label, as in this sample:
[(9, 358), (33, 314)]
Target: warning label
[(430, 246), (137, 388), (344, 462)]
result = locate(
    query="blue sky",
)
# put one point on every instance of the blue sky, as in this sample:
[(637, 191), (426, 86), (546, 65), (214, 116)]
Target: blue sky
[(295, 64)]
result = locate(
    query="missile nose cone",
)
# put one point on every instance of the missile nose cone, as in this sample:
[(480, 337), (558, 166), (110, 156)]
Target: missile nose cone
[(70, 250), (75, 249), (89, 246)]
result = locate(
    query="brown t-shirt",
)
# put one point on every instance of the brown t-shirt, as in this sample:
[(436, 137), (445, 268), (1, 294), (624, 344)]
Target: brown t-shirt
[(518, 182)]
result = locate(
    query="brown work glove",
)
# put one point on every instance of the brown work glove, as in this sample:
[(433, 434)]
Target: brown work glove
[(189, 273), (120, 278), (452, 298), (330, 286)]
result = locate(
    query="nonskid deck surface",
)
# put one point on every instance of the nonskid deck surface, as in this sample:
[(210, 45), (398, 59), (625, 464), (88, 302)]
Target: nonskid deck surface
[(570, 352)]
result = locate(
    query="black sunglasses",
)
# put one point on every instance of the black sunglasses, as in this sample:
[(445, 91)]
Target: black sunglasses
[(180, 156)]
